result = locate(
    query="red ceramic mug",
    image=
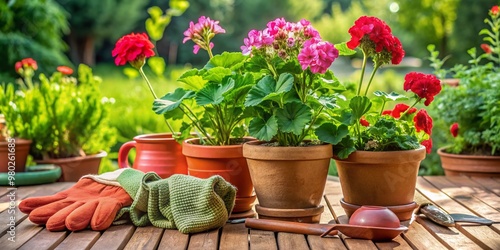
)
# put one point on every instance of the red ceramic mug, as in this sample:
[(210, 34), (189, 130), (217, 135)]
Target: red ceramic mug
[(158, 153)]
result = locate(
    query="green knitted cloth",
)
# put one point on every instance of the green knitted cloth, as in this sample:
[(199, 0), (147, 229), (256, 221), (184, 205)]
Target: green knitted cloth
[(184, 202)]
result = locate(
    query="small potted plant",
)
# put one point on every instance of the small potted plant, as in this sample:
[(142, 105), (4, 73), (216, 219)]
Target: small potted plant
[(66, 120), (294, 88), (378, 150), (470, 110), (211, 104)]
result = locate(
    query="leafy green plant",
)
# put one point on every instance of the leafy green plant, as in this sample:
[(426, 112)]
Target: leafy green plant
[(471, 109), (63, 116)]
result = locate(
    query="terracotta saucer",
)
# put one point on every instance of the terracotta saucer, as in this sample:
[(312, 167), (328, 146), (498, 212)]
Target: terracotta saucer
[(403, 212), (248, 214), (243, 204), (307, 215)]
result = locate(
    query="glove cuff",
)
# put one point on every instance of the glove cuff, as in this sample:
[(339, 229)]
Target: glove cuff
[(108, 178)]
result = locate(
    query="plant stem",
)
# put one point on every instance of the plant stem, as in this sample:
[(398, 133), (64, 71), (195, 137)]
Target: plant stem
[(406, 111), (156, 97), (377, 65), (365, 59)]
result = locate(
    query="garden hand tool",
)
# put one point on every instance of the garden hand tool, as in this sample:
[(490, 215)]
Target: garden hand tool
[(93, 201), (441, 217), (184, 202)]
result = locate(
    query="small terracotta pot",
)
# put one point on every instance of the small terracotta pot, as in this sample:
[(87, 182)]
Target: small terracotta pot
[(73, 168), (13, 154), (227, 161), (158, 153), (386, 178), (469, 165), (288, 179)]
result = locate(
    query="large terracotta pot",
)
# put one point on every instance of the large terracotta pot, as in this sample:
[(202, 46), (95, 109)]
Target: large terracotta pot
[(158, 153), (289, 181), (13, 154), (228, 162), (386, 178), (469, 165), (73, 168)]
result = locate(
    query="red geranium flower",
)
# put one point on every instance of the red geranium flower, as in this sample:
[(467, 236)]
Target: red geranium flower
[(423, 85), (133, 48), (428, 145), (25, 63), (494, 10), (387, 112), (454, 129), (486, 48), (65, 70), (364, 122), (423, 122), (401, 108)]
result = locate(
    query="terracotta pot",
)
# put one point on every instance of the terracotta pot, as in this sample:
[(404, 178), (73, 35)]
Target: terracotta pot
[(469, 165), (13, 154), (228, 162), (386, 178), (288, 181), (158, 153), (75, 167)]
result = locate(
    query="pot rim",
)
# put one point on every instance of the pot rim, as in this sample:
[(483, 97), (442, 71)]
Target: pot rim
[(254, 150), (191, 148), (101, 154), (441, 152), (154, 137), (370, 156), (19, 141)]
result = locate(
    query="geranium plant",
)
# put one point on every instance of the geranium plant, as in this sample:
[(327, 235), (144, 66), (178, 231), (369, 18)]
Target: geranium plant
[(471, 110), (363, 123), (294, 87)]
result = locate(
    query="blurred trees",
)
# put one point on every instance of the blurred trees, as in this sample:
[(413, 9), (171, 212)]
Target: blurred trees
[(31, 28)]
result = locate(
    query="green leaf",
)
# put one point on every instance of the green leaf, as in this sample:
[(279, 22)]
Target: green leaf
[(393, 96), (344, 50), (156, 23), (293, 117), (178, 7), (359, 105), (268, 89), (157, 65), (344, 148), (171, 101), (332, 134), (214, 93), (216, 74), (131, 73), (263, 130), (229, 60), (192, 79)]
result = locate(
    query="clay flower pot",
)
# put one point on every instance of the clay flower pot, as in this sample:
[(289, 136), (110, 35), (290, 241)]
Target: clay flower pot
[(386, 178), (13, 154), (469, 165), (75, 167), (227, 161), (158, 153), (289, 181)]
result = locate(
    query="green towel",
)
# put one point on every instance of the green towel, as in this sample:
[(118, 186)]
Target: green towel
[(184, 202)]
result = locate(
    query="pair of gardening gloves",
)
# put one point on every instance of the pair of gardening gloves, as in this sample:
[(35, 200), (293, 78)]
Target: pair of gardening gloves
[(184, 202)]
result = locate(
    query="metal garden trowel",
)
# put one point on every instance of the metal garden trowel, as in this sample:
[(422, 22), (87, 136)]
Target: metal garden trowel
[(441, 217)]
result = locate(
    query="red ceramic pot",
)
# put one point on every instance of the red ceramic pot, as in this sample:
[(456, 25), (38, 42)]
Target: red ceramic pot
[(158, 153)]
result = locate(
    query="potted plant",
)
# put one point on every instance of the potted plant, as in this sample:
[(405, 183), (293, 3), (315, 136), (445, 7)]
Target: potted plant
[(157, 152), (377, 150), (211, 104), (67, 120), (470, 109), (294, 88)]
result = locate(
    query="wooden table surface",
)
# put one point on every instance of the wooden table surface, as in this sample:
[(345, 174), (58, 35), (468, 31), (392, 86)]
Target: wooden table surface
[(475, 196)]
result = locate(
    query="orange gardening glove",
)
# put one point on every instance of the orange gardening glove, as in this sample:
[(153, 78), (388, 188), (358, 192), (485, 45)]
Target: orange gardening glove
[(86, 203)]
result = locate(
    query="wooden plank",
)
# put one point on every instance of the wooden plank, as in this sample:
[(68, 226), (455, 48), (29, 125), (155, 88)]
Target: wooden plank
[(145, 238), (115, 237), (79, 240), (234, 236), (489, 239), (477, 190), (262, 240), (172, 239), (318, 243), (491, 184), (464, 195), (420, 238), (292, 241), (396, 243), (44, 240), (478, 234), (23, 232), (204, 241), (448, 236), (359, 244)]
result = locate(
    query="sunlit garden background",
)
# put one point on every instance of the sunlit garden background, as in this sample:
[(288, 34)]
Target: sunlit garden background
[(70, 32)]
